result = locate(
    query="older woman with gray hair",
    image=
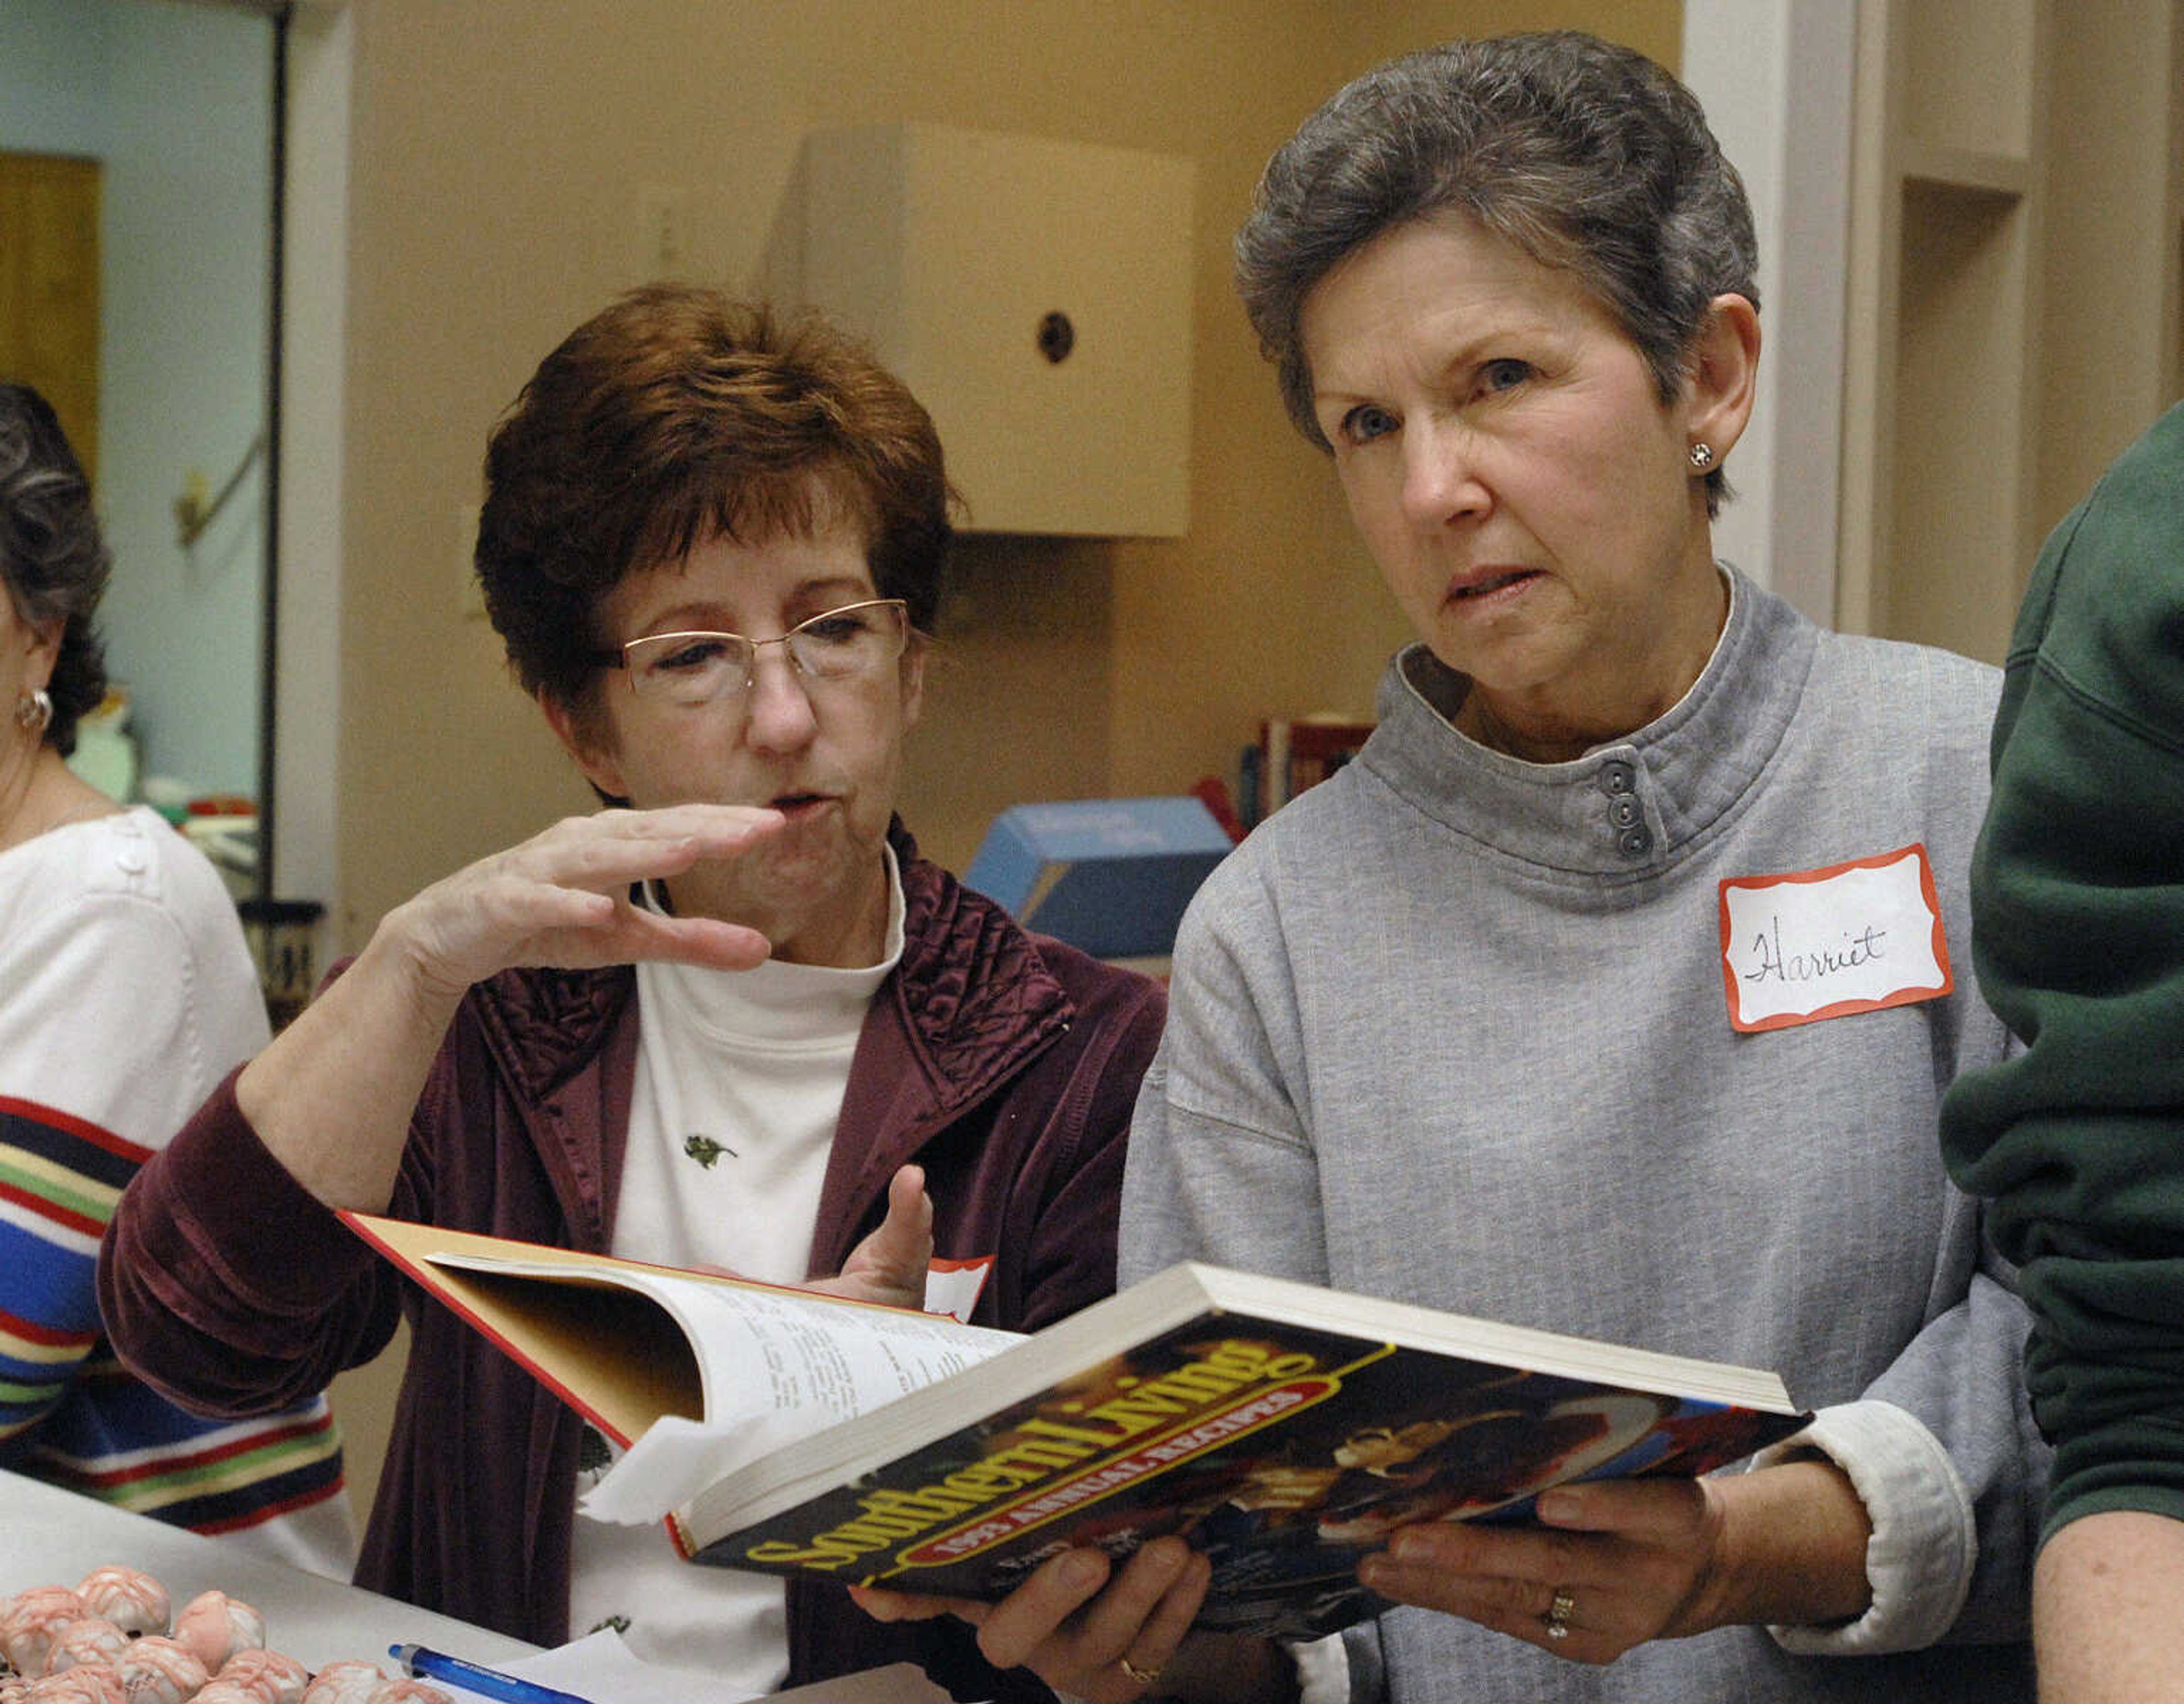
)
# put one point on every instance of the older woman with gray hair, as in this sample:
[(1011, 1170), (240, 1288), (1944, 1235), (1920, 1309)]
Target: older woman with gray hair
[(126, 994), (1609, 990)]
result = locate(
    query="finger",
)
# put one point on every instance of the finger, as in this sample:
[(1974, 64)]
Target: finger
[(1649, 1511), (1510, 1552), (708, 942), (738, 822), (889, 1267), (1029, 1616), (901, 1249), (1165, 1628), (1499, 1576), (613, 849), (1125, 1618), (883, 1605)]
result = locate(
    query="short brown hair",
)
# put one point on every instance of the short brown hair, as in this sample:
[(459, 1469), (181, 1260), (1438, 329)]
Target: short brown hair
[(678, 412)]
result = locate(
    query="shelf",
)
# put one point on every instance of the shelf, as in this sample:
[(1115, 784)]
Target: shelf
[(1946, 166)]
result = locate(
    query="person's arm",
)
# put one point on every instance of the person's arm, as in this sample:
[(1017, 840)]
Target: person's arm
[(2108, 1609), (225, 1281), (2079, 1141), (331, 1098)]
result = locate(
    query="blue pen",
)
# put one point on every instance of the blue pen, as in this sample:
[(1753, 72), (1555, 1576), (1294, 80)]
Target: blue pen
[(487, 1683)]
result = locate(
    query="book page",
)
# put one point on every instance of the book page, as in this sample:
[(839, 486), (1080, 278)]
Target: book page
[(766, 1348), (774, 1364), (774, 1351)]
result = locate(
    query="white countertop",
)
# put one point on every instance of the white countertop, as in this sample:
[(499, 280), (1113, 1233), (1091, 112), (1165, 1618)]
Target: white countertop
[(51, 1537)]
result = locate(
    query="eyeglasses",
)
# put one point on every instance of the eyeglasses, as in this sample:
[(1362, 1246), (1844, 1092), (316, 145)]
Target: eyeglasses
[(691, 669)]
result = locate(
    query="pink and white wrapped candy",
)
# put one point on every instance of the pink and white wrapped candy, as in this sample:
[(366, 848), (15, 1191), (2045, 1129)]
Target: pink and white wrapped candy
[(410, 1692), (159, 1670), (87, 1683), (213, 1627), (345, 1683), (273, 1676), (128, 1597), (219, 1691), (92, 1640), (32, 1622)]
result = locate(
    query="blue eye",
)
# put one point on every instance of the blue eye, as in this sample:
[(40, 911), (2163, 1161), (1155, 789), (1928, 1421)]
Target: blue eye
[(1362, 424), (1503, 374)]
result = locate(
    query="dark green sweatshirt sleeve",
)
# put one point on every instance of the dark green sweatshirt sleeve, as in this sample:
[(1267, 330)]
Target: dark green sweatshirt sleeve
[(2078, 925)]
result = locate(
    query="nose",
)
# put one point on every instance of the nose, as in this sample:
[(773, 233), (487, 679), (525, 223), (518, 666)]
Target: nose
[(1441, 477), (778, 714)]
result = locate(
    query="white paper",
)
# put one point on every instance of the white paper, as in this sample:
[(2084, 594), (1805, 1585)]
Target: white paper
[(763, 1350), (1799, 947), (775, 1366), (602, 1669)]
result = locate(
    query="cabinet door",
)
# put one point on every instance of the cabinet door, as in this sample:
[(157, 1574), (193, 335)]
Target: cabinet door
[(1035, 294), (49, 288)]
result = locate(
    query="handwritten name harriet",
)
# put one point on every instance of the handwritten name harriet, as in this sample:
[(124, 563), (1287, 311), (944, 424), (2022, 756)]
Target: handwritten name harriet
[(1811, 963)]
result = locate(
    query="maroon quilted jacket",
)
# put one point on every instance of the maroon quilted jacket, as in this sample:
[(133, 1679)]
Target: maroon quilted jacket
[(1005, 1064)]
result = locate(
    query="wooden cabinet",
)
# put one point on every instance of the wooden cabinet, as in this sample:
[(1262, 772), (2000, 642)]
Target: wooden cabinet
[(49, 288), (1035, 294)]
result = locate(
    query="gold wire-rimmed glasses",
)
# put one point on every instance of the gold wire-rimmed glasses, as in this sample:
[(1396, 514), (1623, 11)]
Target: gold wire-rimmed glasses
[(698, 668)]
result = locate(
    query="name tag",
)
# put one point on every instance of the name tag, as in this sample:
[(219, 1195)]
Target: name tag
[(1820, 944), (952, 1287)]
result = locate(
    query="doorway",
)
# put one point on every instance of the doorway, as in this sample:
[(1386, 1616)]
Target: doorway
[(140, 138)]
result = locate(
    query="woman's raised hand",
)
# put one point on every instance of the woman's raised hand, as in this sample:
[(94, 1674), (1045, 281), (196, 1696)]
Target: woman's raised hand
[(332, 1097), (560, 899)]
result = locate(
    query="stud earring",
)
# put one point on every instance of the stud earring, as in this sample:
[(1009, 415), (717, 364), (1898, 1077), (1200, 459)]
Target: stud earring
[(35, 710), (1701, 456)]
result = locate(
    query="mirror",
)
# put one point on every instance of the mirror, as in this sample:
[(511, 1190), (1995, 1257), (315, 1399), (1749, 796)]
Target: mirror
[(137, 200)]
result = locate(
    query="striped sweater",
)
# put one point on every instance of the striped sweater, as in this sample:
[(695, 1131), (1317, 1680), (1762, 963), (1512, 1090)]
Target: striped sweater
[(125, 995)]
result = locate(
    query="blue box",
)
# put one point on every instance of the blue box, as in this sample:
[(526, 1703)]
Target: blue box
[(1109, 876)]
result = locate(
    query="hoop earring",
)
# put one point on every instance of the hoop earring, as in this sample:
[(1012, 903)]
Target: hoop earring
[(1701, 457), (35, 710)]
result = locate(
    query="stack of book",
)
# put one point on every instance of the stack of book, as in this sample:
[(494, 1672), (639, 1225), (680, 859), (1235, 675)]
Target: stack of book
[(1295, 753)]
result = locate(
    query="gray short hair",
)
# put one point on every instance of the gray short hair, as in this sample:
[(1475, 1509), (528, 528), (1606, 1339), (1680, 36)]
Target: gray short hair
[(1587, 156)]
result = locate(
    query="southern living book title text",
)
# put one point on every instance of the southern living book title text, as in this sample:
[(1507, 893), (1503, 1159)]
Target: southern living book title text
[(1064, 1455)]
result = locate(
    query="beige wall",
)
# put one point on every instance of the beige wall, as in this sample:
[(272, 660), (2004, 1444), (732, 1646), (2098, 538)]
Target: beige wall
[(498, 150), (2109, 332)]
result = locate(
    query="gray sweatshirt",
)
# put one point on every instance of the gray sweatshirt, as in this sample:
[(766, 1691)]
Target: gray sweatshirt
[(1454, 1028)]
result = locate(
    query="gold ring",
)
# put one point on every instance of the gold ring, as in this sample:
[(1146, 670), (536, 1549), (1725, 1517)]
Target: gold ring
[(1143, 1677), (1559, 1613)]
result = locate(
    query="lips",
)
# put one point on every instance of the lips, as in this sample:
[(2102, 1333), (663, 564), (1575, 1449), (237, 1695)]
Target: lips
[(1487, 581), (793, 806)]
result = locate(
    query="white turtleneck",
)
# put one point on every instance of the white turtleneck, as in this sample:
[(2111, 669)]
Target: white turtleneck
[(740, 1076)]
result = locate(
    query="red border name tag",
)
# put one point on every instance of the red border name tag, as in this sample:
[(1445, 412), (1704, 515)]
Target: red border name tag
[(1820, 944), (952, 1287)]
